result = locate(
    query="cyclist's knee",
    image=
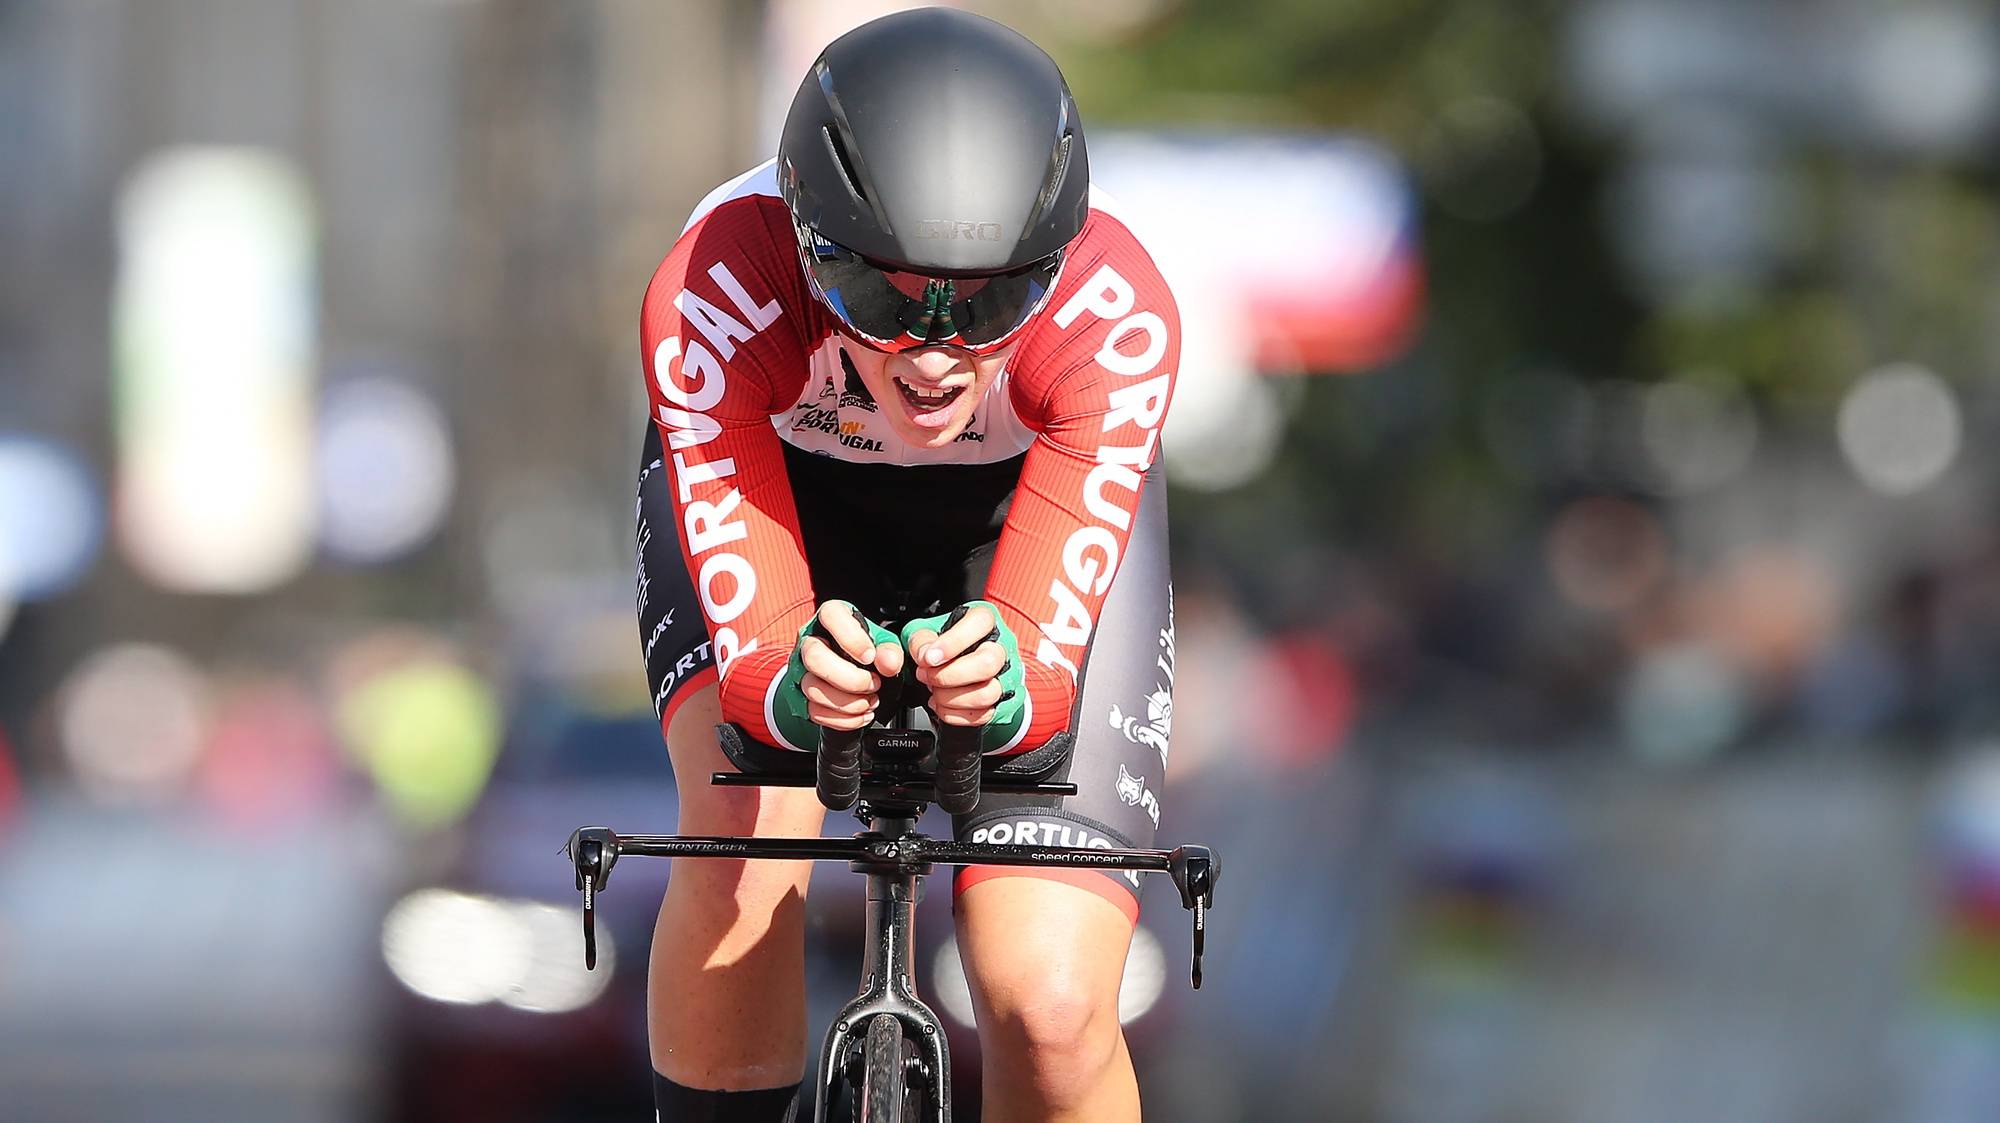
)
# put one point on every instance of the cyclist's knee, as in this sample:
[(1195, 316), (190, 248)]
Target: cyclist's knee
[(1044, 961), (1059, 1038)]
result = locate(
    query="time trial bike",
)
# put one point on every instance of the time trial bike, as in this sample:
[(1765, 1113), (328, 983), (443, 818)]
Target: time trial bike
[(885, 1058)]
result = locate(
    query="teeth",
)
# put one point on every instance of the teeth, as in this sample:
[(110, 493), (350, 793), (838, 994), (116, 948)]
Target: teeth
[(923, 393)]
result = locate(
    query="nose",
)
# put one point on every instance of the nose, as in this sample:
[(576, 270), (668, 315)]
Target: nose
[(934, 363)]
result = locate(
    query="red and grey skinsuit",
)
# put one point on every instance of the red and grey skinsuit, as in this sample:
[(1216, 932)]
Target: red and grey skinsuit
[(750, 397)]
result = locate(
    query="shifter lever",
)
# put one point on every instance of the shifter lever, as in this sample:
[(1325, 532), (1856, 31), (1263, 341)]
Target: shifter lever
[(1195, 870), (594, 850)]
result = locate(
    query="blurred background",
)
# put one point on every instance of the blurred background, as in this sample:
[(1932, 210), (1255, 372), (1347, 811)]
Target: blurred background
[(1589, 586)]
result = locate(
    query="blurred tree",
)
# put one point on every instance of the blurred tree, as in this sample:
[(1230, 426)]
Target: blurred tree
[(1461, 90)]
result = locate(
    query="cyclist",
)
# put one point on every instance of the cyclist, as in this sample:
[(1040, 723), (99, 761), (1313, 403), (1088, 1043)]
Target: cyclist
[(913, 363)]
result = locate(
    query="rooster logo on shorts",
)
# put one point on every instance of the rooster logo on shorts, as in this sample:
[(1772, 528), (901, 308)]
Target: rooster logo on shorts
[(1158, 723), (1154, 728)]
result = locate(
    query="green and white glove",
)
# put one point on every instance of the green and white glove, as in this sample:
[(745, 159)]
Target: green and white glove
[(791, 718), (1012, 708)]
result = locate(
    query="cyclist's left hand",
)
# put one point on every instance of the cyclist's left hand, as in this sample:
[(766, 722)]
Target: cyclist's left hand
[(961, 667)]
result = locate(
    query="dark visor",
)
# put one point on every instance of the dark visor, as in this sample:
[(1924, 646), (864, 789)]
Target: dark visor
[(892, 310)]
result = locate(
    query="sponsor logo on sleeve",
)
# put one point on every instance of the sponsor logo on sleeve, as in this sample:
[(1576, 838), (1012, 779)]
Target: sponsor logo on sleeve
[(1111, 489), (690, 378)]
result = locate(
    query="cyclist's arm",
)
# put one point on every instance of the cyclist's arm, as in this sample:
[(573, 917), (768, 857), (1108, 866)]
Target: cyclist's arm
[(1095, 381), (722, 342)]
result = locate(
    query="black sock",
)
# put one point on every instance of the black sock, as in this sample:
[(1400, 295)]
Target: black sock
[(681, 1104)]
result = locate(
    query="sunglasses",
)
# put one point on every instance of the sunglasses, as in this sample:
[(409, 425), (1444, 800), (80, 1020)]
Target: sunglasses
[(892, 310)]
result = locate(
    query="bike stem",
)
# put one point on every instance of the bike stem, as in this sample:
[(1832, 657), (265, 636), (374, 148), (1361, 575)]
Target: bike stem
[(887, 972), (891, 915)]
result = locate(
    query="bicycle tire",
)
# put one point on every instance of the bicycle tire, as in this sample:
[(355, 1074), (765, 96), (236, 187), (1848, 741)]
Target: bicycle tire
[(882, 1091)]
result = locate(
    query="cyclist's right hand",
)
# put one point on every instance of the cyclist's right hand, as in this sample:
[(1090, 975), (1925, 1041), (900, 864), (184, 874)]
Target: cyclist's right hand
[(846, 663)]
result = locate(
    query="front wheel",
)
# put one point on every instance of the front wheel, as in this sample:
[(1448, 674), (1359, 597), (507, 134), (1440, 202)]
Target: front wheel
[(882, 1071)]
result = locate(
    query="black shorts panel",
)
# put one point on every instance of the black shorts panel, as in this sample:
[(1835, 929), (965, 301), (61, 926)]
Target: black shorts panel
[(860, 524), (673, 635), (1122, 716)]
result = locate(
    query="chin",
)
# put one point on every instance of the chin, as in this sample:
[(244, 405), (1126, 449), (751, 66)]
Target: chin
[(936, 438)]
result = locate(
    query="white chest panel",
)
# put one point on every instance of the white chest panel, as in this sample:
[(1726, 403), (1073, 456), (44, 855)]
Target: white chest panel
[(836, 418)]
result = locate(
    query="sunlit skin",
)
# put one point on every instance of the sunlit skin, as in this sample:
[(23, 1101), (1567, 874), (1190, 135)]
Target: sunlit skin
[(726, 983), (726, 992), (927, 368)]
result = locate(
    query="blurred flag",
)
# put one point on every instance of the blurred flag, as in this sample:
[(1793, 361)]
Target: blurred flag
[(1310, 241)]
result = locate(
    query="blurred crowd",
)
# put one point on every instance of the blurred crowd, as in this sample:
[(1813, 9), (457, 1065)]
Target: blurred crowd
[(1588, 592)]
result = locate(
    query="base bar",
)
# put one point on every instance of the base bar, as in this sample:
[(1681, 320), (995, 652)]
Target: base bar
[(903, 851)]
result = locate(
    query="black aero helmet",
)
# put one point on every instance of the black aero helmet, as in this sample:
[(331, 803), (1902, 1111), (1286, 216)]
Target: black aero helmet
[(927, 146)]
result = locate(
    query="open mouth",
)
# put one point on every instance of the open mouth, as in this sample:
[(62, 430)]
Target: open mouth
[(930, 408)]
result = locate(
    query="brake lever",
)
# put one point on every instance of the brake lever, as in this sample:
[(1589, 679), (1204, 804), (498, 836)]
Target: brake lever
[(593, 851), (1195, 870)]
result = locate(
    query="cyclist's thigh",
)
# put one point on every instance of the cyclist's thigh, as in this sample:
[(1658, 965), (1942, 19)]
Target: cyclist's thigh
[(1124, 710), (681, 673)]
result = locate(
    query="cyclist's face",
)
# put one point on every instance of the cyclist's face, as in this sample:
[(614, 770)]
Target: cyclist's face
[(927, 395)]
